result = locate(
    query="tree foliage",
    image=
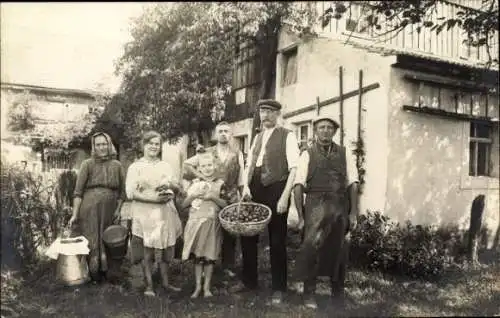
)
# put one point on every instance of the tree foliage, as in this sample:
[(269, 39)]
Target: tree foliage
[(20, 113), (178, 69)]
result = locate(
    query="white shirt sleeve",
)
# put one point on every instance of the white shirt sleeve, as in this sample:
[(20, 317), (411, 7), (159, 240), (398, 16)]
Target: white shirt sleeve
[(302, 169), (249, 162), (241, 163), (168, 174), (131, 180), (292, 150), (352, 171)]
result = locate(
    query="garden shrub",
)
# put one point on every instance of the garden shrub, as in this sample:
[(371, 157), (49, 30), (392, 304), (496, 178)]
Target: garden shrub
[(11, 283), (413, 250), (30, 220)]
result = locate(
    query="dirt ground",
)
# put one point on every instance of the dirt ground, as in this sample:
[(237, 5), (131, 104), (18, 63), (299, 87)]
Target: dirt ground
[(474, 292)]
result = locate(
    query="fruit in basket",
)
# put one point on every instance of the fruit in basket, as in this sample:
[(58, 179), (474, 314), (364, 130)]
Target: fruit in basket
[(246, 214)]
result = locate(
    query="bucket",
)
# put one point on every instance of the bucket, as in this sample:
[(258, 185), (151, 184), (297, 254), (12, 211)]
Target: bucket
[(115, 241)]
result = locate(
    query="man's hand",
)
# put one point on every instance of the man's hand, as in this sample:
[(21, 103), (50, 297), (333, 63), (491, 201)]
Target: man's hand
[(300, 225), (282, 206), (353, 219), (246, 195)]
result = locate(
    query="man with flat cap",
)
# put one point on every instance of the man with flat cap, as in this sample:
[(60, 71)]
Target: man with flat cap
[(268, 180), (327, 176)]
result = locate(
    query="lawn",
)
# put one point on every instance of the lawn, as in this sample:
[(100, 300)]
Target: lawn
[(464, 292)]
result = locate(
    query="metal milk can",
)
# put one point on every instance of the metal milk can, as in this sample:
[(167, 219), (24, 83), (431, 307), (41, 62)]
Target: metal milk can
[(72, 270)]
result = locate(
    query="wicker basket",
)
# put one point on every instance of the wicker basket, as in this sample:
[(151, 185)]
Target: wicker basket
[(247, 228)]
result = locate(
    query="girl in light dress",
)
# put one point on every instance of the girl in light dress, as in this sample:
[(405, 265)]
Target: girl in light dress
[(150, 185), (203, 234)]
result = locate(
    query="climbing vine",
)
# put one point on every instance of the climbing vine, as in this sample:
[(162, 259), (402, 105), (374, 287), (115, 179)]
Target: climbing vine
[(359, 151)]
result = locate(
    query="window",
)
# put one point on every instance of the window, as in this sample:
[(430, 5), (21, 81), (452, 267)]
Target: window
[(247, 60), (240, 96), (289, 67), (453, 100), (303, 134), (58, 161), (480, 143)]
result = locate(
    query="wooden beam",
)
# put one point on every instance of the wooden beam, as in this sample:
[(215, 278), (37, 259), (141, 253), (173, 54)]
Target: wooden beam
[(317, 106), (360, 103), (446, 114), (341, 108), (331, 100)]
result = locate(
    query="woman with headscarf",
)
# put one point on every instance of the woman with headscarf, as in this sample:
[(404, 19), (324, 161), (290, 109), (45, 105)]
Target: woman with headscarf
[(98, 195), (151, 185)]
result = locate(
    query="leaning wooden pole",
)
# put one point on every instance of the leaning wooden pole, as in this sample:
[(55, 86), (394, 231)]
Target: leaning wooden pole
[(360, 109), (341, 92)]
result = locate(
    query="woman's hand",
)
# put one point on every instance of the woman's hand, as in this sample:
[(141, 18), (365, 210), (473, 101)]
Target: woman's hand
[(117, 215), (208, 196), (72, 221)]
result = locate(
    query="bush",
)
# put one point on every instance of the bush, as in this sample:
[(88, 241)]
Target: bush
[(413, 250), (30, 220), (11, 284)]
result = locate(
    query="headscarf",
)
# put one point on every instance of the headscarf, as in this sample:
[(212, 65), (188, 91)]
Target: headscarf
[(111, 148)]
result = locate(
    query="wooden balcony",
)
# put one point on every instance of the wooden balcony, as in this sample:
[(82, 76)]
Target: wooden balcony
[(449, 45)]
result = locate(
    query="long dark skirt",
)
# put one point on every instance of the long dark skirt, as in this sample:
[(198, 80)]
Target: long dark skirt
[(96, 214)]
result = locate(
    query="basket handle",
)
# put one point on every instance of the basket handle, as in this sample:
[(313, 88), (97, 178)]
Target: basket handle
[(239, 206)]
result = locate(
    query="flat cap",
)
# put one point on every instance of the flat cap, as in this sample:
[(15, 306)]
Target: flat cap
[(269, 103), (331, 120)]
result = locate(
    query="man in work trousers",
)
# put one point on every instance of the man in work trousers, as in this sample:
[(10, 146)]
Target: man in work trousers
[(230, 168), (326, 175), (269, 179)]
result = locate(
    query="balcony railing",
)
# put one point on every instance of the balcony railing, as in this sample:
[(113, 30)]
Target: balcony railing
[(450, 44)]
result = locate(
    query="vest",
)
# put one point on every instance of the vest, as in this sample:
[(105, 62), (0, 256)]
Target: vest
[(327, 172), (274, 163)]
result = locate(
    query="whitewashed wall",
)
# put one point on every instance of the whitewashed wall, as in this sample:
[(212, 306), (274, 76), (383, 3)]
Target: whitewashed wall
[(318, 76)]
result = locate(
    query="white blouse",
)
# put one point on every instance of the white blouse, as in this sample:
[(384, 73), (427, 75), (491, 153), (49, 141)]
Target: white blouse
[(147, 175)]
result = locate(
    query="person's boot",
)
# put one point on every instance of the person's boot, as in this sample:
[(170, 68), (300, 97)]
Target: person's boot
[(309, 294), (310, 301), (338, 294)]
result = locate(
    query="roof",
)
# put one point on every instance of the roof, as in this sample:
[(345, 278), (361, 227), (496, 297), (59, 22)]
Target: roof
[(60, 91)]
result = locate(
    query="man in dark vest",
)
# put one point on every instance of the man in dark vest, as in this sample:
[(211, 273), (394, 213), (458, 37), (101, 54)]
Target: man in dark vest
[(230, 168), (327, 177), (269, 179)]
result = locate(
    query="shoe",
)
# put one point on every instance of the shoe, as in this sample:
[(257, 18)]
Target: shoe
[(338, 299), (171, 288), (229, 273), (310, 302), (150, 293), (240, 288), (277, 298)]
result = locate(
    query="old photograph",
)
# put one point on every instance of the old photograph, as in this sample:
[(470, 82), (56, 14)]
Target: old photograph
[(250, 159)]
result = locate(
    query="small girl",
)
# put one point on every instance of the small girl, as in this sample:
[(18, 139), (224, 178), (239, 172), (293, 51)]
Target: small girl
[(202, 234)]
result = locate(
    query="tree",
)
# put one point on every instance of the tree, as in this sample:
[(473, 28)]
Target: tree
[(19, 114), (177, 70)]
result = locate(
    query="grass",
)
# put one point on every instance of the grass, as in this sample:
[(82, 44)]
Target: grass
[(473, 292)]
